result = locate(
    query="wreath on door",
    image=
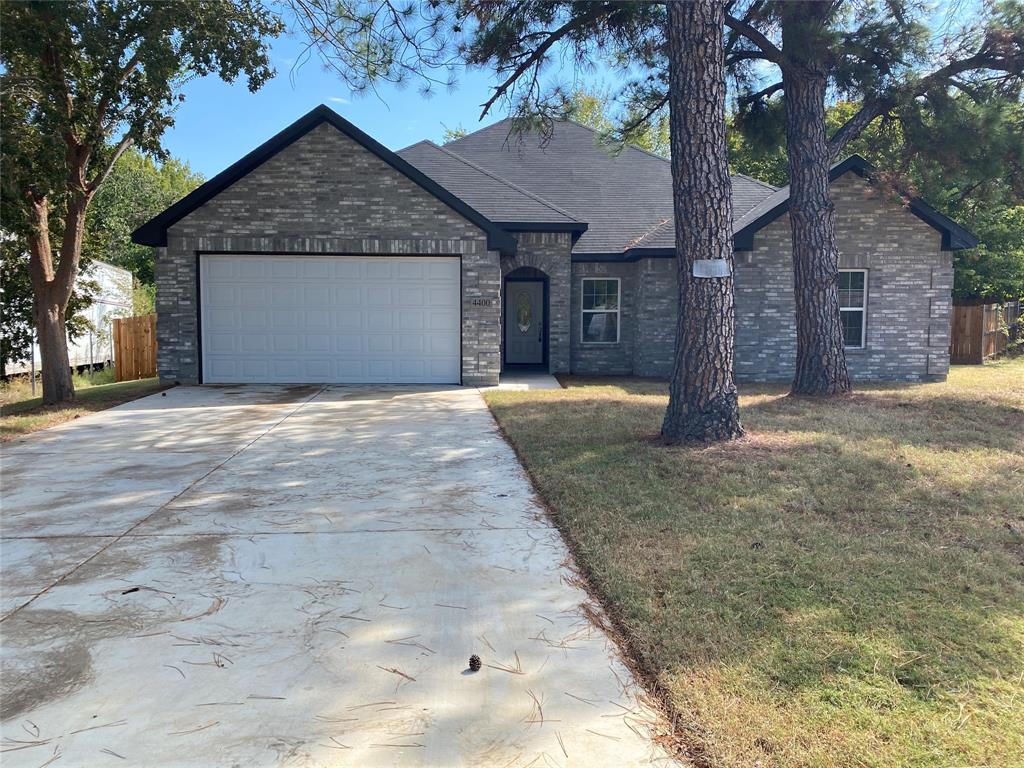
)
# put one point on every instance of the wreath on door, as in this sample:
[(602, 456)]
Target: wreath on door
[(523, 311)]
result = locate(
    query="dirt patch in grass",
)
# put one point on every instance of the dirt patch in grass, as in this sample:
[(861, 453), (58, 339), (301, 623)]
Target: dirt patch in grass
[(21, 417), (842, 587)]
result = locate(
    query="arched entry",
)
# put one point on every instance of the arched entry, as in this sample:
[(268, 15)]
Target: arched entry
[(525, 318)]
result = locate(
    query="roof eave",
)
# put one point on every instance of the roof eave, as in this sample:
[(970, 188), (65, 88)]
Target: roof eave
[(154, 231), (629, 255)]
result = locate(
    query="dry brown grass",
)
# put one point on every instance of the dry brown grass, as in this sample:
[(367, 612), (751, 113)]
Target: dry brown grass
[(20, 415), (842, 587)]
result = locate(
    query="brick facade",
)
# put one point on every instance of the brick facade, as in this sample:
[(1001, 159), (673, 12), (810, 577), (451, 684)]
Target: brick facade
[(326, 194), (910, 280)]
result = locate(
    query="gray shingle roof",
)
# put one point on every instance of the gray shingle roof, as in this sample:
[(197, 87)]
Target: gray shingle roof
[(496, 198), (626, 199)]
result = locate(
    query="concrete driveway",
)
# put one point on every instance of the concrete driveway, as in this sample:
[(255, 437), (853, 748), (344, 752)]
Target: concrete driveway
[(252, 576)]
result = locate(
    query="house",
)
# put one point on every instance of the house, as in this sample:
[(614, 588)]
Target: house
[(322, 256)]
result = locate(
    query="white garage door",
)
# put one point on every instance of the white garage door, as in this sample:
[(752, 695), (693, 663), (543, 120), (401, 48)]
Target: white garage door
[(330, 319)]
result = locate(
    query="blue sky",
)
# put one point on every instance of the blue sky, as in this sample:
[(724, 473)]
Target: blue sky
[(218, 123)]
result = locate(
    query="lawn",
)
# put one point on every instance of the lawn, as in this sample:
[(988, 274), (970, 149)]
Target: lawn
[(844, 586), (20, 413)]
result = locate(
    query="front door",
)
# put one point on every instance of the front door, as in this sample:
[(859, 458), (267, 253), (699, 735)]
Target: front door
[(524, 322)]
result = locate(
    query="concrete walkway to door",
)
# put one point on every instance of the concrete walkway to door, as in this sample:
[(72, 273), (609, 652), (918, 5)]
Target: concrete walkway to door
[(296, 576)]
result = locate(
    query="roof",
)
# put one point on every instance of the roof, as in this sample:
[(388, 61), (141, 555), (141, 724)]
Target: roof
[(626, 198), (498, 199), (154, 231), (618, 206), (620, 197), (954, 237)]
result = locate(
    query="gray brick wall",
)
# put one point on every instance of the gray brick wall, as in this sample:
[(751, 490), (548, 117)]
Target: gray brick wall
[(657, 298), (551, 253), (326, 194), (910, 280)]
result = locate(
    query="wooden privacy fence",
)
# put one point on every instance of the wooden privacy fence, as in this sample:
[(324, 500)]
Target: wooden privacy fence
[(134, 347), (981, 331)]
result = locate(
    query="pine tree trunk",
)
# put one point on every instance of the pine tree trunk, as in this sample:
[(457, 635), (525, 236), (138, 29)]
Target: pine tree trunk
[(820, 357), (703, 404)]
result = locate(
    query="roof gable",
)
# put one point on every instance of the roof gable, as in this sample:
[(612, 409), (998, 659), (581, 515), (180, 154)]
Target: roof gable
[(954, 237), (154, 231)]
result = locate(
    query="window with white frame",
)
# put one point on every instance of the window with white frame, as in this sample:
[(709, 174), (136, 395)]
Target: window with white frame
[(853, 302), (600, 310)]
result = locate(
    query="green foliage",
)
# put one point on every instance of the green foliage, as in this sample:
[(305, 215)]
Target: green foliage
[(596, 108), (143, 298), (136, 190), (87, 78), (994, 271), (452, 134), (82, 81)]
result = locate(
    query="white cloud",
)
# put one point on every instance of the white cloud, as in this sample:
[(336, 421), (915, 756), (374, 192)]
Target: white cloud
[(338, 100)]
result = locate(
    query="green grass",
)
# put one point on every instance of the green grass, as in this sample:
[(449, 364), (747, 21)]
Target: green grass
[(844, 586), (21, 414)]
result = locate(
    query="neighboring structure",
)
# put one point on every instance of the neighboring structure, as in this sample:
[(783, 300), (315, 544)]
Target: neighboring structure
[(322, 256), (94, 347)]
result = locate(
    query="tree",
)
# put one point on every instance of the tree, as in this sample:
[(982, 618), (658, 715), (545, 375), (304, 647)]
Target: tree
[(595, 108), (82, 82), (879, 52), (136, 190), (703, 402)]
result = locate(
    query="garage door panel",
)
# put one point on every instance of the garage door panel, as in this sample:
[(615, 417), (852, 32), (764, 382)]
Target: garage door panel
[(293, 319), (379, 269), (379, 319), (247, 269), (378, 296), (316, 319), (249, 295), (284, 269), (410, 295), (411, 270)]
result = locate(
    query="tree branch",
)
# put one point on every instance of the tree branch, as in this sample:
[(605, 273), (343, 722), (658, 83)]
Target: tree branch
[(537, 54), (768, 49), (987, 57), (763, 93), (102, 174)]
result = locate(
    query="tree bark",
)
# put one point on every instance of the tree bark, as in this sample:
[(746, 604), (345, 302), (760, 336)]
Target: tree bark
[(703, 404), (820, 357), (51, 291)]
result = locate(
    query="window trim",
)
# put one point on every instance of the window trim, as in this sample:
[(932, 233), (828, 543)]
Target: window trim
[(617, 311), (863, 309)]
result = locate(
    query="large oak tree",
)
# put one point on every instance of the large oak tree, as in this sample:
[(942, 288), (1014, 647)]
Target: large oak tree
[(83, 81)]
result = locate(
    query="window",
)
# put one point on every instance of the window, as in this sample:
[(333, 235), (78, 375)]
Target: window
[(600, 310), (853, 302)]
